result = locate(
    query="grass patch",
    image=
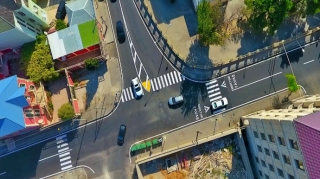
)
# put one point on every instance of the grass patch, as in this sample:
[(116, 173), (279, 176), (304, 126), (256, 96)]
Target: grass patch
[(89, 33)]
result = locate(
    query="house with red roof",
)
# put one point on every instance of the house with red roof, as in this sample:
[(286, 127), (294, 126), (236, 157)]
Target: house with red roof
[(23, 106)]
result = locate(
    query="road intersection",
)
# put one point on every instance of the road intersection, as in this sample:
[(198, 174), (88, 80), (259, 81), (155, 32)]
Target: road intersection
[(95, 146)]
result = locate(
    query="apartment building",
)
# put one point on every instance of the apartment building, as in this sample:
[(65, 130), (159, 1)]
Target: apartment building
[(281, 141)]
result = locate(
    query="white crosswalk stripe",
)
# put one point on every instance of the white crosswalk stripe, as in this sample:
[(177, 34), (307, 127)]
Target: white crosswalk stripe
[(158, 79), (162, 82), (64, 155), (175, 76), (165, 79), (172, 78), (127, 94), (213, 89), (169, 79)]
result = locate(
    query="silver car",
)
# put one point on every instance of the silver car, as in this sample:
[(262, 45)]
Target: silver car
[(219, 104), (175, 100), (136, 87)]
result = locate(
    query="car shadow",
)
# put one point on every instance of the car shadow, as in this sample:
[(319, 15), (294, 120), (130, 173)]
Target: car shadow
[(176, 106)]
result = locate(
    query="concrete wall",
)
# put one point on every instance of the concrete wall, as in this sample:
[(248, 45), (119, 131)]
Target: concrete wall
[(14, 38)]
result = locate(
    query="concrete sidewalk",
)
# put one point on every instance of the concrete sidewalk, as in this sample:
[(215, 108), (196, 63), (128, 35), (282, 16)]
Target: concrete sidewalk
[(207, 130), (78, 173), (107, 94)]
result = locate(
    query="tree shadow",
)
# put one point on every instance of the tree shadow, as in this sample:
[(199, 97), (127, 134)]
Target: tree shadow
[(191, 93), (313, 21), (164, 11), (198, 55), (293, 56)]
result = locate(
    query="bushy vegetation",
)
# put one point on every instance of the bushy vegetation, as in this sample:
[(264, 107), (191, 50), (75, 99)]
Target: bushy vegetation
[(60, 24), (292, 83), (66, 112), (91, 64)]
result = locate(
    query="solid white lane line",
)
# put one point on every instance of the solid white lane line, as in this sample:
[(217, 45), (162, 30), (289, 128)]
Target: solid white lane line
[(60, 137), (122, 97), (308, 62), (169, 78), (62, 145), (258, 81), (179, 76), (152, 85), (128, 94), (211, 82), (61, 141), (125, 95), (3, 173), (211, 91), (61, 150), (212, 86), (215, 99), (162, 82), (66, 167), (140, 70), (159, 82), (65, 163), (214, 94), (130, 90), (172, 78), (64, 154), (156, 85), (175, 76), (66, 158), (165, 79)]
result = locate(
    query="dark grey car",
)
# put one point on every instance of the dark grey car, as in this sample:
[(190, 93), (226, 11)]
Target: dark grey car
[(120, 32), (122, 133)]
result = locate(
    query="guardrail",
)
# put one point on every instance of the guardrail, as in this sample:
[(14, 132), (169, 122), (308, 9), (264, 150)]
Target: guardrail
[(220, 69)]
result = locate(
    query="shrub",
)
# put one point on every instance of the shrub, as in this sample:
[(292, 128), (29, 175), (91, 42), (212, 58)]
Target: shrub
[(60, 24), (91, 64), (66, 112)]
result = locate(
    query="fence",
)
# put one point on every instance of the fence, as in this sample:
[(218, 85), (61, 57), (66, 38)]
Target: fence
[(220, 69)]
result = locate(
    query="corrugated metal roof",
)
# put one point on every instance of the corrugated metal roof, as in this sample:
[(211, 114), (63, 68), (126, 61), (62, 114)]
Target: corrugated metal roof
[(311, 120), (65, 41), (12, 102), (79, 11)]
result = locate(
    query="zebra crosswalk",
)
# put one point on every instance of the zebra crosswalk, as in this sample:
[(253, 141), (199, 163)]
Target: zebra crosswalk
[(63, 150), (156, 84), (213, 89)]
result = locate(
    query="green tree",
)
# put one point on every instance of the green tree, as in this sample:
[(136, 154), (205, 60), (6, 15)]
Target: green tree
[(292, 83), (313, 7), (60, 24), (66, 112), (91, 64), (37, 61), (267, 13), (209, 20)]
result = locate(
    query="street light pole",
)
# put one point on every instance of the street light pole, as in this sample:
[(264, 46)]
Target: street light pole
[(295, 31), (162, 34)]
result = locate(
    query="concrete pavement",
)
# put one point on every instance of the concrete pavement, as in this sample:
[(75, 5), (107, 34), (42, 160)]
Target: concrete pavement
[(78, 173)]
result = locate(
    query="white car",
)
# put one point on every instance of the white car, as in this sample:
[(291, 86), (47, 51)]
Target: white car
[(219, 104), (175, 100), (136, 87)]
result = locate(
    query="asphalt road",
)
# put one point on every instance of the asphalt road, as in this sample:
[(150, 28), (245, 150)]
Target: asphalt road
[(95, 145)]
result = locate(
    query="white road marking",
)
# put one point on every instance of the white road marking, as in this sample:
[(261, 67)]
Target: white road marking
[(152, 85), (214, 94), (162, 82), (183, 78), (159, 83), (65, 158), (155, 82), (125, 95), (206, 108), (66, 167), (168, 74), (3, 173), (128, 93), (258, 81), (62, 145), (179, 75), (224, 84), (308, 62), (172, 78), (122, 97), (140, 70), (60, 137), (175, 76), (215, 99), (211, 91), (61, 150), (212, 86), (65, 154), (61, 141), (130, 90), (65, 163), (165, 79), (211, 82)]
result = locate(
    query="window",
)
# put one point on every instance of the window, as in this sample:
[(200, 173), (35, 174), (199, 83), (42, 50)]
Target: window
[(266, 176), (280, 172), (259, 148), (20, 19), (263, 136), (299, 164), (31, 87), (271, 138), (30, 25), (275, 155), (286, 159), (260, 173), (271, 167), (255, 134), (31, 20), (22, 84), (21, 13), (282, 141), (28, 113), (37, 112), (263, 163), (267, 151), (293, 144), (257, 160), (21, 23), (290, 176), (31, 29)]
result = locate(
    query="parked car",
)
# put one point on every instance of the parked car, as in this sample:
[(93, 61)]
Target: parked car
[(122, 133), (136, 87), (61, 11), (175, 100), (219, 104), (120, 32)]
